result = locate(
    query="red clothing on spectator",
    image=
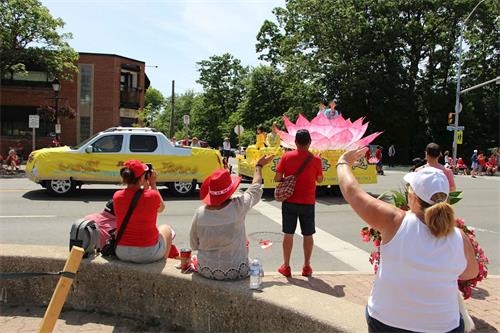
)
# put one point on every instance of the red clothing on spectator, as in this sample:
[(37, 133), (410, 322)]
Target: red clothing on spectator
[(481, 160), (141, 228), (492, 162), (378, 154), (12, 158), (447, 172), (305, 188)]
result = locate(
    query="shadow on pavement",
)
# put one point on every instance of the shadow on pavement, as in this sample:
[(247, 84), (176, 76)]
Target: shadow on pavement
[(29, 319), (319, 285), (482, 326), (89, 194), (480, 293)]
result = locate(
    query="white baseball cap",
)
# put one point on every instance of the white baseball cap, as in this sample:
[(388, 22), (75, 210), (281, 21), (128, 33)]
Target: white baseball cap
[(427, 182)]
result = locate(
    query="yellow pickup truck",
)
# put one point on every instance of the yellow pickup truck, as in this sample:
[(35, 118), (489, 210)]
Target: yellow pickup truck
[(365, 173), (98, 160)]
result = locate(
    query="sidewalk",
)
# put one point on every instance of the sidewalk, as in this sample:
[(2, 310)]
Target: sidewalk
[(484, 306)]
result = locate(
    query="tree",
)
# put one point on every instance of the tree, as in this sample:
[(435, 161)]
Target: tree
[(222, 81), (153, 106), (29, 37), (389, 60)]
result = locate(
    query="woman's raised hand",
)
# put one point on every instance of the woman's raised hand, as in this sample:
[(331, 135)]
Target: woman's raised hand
[(265, 159), (350, 157)]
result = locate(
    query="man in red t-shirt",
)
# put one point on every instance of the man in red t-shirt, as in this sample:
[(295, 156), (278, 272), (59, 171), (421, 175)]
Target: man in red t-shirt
[(301, 204)]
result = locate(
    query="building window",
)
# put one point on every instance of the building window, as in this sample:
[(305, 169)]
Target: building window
[(143, 143), (108, 144), (84, 128), (85, 100), (127, 122), (129, 91), (14, 122)]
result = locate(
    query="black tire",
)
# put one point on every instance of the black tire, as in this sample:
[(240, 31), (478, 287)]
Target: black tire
[(182, 189), (335, 191), (60, 187)]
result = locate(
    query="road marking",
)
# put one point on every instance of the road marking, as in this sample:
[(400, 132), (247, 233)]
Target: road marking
[(15, 190), (482, 230), (24, 216), (336, 247)]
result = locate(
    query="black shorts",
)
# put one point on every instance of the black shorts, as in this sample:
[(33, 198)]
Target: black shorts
[(305, 213)]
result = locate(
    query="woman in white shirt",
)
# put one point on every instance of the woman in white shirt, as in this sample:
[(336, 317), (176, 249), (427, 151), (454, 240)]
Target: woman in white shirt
[(218, 227), (422, 253)]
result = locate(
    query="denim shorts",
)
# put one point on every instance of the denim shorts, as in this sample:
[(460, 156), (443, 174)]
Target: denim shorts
[(290, 212), (142, 255), (375, 326)]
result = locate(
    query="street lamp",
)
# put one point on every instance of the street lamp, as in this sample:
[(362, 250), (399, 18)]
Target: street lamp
[(459, 72), (56, 86)]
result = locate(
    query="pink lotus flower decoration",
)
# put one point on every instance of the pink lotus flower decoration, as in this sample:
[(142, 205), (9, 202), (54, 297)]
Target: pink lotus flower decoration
[(328, 134)]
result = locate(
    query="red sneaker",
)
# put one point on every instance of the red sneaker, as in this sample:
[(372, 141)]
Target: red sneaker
[(307, 271), (285, 270)]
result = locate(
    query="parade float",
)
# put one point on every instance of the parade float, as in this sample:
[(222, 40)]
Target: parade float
[(330, 138)]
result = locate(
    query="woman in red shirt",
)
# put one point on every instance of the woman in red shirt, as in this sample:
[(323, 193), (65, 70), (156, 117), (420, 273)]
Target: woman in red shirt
[(142, 241)]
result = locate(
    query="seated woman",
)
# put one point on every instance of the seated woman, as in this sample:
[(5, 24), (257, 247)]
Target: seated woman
[(12, 161), (461, 166), (218, 228), (491, 165), (142, 241), (422, 254)]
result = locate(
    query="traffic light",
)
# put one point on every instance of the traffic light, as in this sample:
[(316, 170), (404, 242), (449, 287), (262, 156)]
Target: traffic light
[(451, 120)]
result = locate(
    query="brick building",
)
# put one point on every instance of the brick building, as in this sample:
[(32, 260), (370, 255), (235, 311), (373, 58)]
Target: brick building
[(107, 91)]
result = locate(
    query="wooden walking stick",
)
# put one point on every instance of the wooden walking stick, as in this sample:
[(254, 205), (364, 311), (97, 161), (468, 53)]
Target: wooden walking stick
[(62, 289)]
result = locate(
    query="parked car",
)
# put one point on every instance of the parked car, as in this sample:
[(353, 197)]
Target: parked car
[(98, 160)]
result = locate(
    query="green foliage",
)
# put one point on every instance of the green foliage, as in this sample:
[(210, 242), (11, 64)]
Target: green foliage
[(153, 106), (29, 37), (222, 81), (391, 61)]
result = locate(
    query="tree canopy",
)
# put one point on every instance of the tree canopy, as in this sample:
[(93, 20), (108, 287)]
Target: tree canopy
[(29, 37), (391, 61)]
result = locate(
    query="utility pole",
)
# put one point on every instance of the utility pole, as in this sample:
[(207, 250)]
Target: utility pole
[(459, 72), (173, 108)]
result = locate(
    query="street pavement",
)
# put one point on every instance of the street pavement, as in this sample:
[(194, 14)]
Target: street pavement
[(28, 215)]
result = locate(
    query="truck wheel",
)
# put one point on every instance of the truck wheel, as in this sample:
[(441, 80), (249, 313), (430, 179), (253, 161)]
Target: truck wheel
[(335, 190), (60, 187), (182, 189)]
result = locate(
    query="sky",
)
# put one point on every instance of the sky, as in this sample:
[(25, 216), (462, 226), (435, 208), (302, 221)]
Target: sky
[(171, 34)]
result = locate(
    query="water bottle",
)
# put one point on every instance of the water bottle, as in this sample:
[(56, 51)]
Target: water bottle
[(255, 274)]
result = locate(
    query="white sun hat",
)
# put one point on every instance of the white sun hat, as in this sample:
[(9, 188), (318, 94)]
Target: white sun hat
[(427, 182)]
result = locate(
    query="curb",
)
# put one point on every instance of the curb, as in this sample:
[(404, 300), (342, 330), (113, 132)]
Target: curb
[(159, 291)]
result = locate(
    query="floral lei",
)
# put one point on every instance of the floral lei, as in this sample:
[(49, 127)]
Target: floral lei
[(399, 199)]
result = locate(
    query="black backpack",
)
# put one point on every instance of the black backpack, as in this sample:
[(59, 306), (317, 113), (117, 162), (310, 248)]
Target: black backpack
[(84, 233)]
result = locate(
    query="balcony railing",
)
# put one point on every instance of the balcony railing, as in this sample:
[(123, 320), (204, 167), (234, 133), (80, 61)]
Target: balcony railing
[(129, 98)]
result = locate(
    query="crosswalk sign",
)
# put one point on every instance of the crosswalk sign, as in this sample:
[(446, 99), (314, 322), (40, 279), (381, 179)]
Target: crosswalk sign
[(460, 137)]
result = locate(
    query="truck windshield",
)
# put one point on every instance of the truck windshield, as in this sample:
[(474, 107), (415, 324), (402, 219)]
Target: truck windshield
[(83, 143)]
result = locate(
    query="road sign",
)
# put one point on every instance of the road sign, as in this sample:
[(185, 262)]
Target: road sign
[(452, 128), (460, 137), (185, 119), (459, 108), (58, 128), (238, 129), (34, 121)]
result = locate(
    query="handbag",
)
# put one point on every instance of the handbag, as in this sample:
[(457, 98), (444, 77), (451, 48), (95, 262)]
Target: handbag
[(286, 186), (109, 249)]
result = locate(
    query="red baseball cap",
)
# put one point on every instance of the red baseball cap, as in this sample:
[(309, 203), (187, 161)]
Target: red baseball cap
[(218, 187), (137, 167)]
